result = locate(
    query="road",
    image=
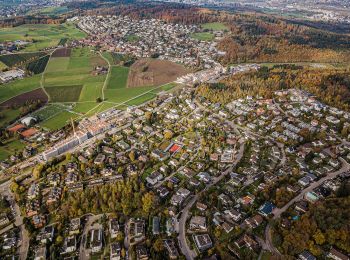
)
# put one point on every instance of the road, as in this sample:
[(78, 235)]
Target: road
[(345, 167), (84, 252), (24, 235), (278, 211), (185, 249)]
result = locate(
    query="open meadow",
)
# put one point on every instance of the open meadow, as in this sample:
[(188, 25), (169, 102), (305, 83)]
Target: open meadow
[(41, 35)]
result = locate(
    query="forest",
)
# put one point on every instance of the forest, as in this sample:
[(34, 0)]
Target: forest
[(326, 224), (332, 86)]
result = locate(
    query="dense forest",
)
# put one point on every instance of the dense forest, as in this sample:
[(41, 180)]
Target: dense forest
[(326, 224), (332, 86)]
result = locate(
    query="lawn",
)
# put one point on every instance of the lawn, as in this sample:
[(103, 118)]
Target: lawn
[(203, 36), (132, 38), (85, 107), (2, 66), (10, 148), (118, 78), (42, 35), (59, 120), (17, 87), (64, 93), (142, 99), (165, 87), (8, 115), (215, 26)]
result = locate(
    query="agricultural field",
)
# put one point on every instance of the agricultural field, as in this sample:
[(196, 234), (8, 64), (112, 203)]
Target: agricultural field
[(19, 59), (203, 36), (150, 72), (74, 90), (91, 91), (64, 93), (215, 26), (62, 52), (57, 64), (39, 65), (118, 77), (18, 87), (41, 36), (62, 42), (22, 99), (119, 59)]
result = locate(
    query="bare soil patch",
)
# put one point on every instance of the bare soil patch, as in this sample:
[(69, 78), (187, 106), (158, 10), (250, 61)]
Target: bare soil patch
[(63, 52), (97, 61), (34, 95), (149, 72)]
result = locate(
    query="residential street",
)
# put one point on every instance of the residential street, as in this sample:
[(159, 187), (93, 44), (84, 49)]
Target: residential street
[(277, 212), (184, 247)]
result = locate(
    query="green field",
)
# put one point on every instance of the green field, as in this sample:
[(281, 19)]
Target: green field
[(10, 148), (50, 11), (140, 100), (64, 93), (84, 107), (8, 115), (57, 64), (203, 36), (2, 66), (132, 38), (91, 91), (118, 78), (58, 121), (48, 111), (215, 26), (122, 95), (72, 72), (42, 35), (18, 87)]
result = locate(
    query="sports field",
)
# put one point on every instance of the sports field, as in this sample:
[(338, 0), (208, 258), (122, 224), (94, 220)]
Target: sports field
[(203, 36), (215, 26), (40, 35), (59, 121)]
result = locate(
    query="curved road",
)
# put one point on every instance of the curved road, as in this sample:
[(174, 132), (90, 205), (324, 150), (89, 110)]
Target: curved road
[(277, 212), (185, 249)]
